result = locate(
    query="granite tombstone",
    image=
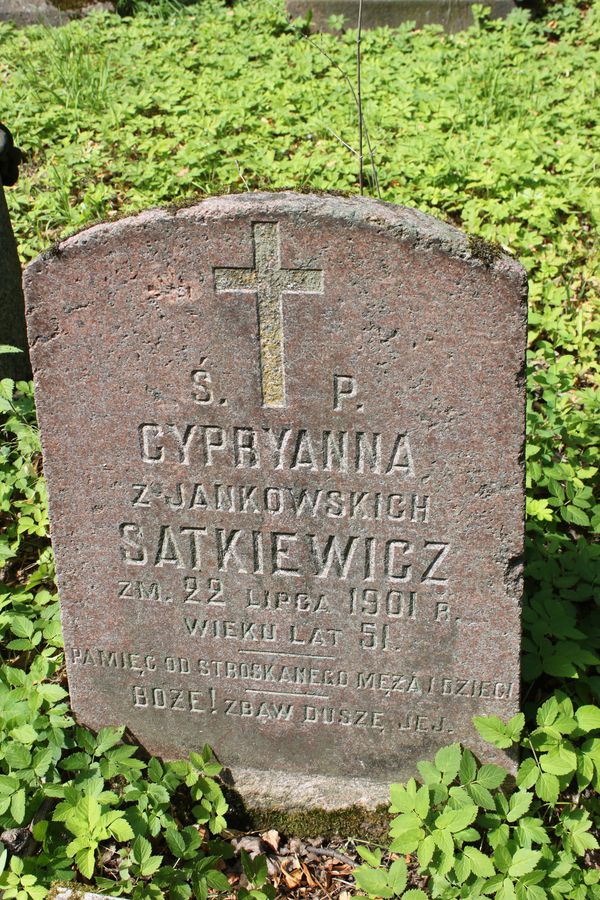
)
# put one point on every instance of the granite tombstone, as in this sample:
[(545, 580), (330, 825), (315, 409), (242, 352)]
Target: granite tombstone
[(31, 12), (453, 15), (50, 12), (283, 439)]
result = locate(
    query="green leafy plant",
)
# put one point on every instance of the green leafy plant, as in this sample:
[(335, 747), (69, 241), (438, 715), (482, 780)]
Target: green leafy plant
[(473, 838), (257, 874), (17, 882), (493, 129), (376, 880), (563, 750), (104, 801)]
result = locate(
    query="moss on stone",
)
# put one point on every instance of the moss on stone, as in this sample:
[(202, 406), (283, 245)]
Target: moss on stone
[(353, 821), (52, 251), (485, 251)]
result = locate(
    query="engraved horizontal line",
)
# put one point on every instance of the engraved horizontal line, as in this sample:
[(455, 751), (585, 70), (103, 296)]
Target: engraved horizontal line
[(286, 694), (275, 653)]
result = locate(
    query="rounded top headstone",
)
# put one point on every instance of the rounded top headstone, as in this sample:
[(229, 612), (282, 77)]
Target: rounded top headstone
[(283, 437)]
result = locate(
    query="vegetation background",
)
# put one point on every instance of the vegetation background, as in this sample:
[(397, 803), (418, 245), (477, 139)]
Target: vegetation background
[(494, 129)]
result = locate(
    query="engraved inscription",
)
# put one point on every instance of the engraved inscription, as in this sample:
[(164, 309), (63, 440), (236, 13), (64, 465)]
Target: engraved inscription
[(282, 448), (268, 282), (273, 500), (295, 674), (361, 549), (288, 554), (302, 688)]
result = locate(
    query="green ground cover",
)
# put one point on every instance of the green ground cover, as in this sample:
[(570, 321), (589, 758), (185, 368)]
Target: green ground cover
[(495, 130)]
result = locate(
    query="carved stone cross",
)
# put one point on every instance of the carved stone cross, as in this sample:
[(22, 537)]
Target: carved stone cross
[(269, 282)]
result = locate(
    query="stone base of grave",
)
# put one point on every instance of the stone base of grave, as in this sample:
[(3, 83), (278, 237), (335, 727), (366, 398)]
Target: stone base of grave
[(453, 15), (261, 790)]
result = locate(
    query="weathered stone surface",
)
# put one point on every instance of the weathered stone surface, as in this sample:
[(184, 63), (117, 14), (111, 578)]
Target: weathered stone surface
[(31, 12), (44, 12), (454, 15), (283, 439), (12, 306)]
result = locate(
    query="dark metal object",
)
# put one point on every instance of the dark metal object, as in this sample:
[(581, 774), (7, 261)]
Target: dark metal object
[(10, 158), (12, 309)]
